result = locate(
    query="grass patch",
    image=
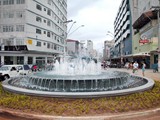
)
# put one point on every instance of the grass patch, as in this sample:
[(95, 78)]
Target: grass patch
[(58, 106)]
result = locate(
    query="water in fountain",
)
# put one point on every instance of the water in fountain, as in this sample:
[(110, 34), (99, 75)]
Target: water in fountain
[(75, 67)]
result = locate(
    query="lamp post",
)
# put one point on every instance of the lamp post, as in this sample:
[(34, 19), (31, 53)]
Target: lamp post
[(68, 21), (64, 37), (75, 30), (71, 27), (110, 33)]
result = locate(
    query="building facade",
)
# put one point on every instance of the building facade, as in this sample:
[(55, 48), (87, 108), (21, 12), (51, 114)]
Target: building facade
[(73, 47), (90, 48), (146, 31), (32, 31), (107, 50), (123, 32)]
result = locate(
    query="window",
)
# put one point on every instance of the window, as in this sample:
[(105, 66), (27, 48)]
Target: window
[(11, 14), (48, 45), (20, 28), (38, 31), (38, 43), (38, 19), (8, 28), (44, 32), (49, 12), (20, 1), (55, 47), (48, 34), (8, 2), (19, 41), (30, 60), (49, 23), (44, 21), (52, 46), (8, 14), (11, 2), (39, 7)]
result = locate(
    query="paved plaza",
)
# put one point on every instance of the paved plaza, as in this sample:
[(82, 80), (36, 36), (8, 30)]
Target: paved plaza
[(148, 73)]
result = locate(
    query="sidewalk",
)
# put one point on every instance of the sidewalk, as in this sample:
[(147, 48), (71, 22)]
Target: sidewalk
[(148, 73)]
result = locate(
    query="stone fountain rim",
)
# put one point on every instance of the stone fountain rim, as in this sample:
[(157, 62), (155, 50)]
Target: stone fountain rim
[(147, 86)]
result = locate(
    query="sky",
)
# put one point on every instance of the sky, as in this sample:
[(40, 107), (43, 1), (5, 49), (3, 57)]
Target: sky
[(97, 16)]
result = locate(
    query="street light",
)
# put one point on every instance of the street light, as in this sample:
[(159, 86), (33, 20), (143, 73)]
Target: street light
[(110, 33), (64, 37), (75, 30), (68, 21), (71, 27)]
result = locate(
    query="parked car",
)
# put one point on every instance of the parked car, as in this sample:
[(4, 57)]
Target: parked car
[(23, 69), (7, 71)]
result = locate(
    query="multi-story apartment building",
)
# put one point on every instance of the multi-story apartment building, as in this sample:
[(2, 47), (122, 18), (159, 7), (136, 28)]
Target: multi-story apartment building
[(32, 31), (123, 31), (90, 48), (73, 47), (107, 49), (146, 30)]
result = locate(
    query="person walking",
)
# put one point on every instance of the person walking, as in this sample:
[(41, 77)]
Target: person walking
[(135, 66), (143, 68)]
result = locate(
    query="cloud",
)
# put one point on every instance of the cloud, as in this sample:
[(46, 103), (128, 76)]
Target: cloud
[(74, 6), (98, 17)]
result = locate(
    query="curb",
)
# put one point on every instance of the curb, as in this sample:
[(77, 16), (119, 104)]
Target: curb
[(119, 116)]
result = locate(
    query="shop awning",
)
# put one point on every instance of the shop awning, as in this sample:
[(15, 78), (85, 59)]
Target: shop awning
[(137, 55), (144, 19)]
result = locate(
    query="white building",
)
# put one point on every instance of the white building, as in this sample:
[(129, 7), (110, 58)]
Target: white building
[(106, 52), (72, 47), (123, 31), (90, 48), (32, 31)]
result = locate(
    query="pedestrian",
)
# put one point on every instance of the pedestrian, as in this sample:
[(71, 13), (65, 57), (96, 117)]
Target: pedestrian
[(135, 66), (104, 64), (34, 68), (130, 65), (143, 68)]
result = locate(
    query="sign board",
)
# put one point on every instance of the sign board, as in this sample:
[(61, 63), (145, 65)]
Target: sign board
[(29, 42), (144, 41)]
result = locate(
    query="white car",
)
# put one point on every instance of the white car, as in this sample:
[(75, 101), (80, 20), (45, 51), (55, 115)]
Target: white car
[(23, 69), (7, 71)]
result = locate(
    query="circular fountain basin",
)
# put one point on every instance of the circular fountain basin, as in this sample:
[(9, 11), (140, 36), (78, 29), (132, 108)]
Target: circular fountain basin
[(110, 83)]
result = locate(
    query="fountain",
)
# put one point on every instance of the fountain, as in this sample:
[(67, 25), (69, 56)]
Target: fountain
[(77, 78)]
